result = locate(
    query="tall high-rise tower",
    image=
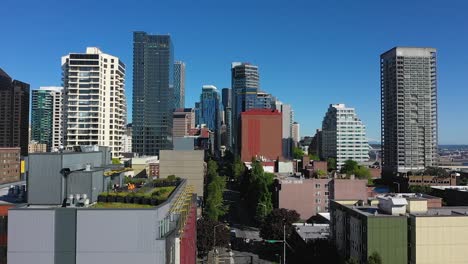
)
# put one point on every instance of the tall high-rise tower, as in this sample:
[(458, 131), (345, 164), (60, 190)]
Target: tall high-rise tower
[(244, 84), (179, 84), (153, 93), (14, 113), (344, 135), (210, 110), (227, 107), (95, 108), (409, 109), (47, 117)]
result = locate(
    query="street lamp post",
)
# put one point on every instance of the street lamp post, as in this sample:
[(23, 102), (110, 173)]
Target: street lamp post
[(397, 183), (214, 238)]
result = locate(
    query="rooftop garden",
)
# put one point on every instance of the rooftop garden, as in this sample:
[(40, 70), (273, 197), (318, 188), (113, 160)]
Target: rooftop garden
[(151, 193), (120, 205)]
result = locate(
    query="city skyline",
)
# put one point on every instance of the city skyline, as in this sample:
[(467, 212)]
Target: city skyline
[(313, 70)]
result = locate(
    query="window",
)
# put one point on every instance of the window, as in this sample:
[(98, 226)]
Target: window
[(317, 185)]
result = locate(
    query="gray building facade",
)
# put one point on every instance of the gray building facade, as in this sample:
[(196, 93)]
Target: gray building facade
[(79, 235), (153, 93), (54, 176), (409, 109)]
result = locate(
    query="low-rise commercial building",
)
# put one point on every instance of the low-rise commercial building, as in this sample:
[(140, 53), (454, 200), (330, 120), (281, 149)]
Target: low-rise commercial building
[(10, 165), (35, 147), (146, 166), (187, 164), (401, 228), (311, 196)]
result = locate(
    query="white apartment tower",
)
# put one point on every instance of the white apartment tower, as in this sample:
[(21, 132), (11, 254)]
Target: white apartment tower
[(94, 101), (344, 135), (409, 109)]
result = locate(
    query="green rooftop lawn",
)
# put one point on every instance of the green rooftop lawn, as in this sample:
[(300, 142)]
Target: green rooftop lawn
[(121, 205)]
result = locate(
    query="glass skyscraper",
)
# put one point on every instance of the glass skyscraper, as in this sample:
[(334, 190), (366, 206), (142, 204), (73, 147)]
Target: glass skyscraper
[(179, 84), (245, 84), (227, 107), (409, 109), (153, 93), (47, 117), (209, 101), (14, 113)]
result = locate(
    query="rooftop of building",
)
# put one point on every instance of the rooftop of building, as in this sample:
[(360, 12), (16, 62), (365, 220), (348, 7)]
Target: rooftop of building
[(148, 196), (402, 201), (455, 188), (312, 231), (261, 112)]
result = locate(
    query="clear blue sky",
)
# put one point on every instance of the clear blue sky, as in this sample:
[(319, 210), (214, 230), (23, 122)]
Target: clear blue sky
[(310, 53)]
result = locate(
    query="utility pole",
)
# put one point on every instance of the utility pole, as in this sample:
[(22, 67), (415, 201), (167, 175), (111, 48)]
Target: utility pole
[(284, 243)]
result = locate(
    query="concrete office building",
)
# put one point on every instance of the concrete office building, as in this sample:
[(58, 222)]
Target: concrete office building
[(127, 139), (183, 122), (344, 135), (311, 196), (261, 134), (295, 133), (95, 104), (165, 233), (47, 117), (14, 113), (287, 122), (186, 164), (153, 93), (409, 109), (179, 84), (10, 161)]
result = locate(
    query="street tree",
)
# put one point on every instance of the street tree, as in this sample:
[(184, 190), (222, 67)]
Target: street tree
[(214, 203), (272, 227), (206, 234)]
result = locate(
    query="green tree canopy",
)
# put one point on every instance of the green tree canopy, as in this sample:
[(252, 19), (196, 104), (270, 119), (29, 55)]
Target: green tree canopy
[(272, 227), (331, 164), (362, 172), (298, 153), (349, 167), (374, 258), (314, 157), (115, 161)]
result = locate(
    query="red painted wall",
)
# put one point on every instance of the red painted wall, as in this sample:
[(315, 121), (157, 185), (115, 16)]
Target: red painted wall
[(261, 134), (188, 241)]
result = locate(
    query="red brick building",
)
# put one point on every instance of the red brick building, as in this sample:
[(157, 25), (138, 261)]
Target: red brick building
[(261, 134)]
